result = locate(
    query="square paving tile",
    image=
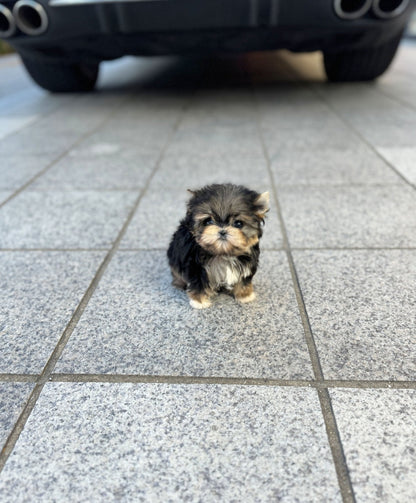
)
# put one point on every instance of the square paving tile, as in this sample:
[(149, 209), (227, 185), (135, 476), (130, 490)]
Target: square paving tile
[(398, 85), (379, 119), (77, 219), (288, 106), (137, 323), (403, 159), (331, 166), (193, 171), (219, 123), (281, 112), (216, 140), (231, 107), (361, 306), (13, 397), (309, 137), (348, 216), (17, 170), (20, 108), (129, 135), (113, 169), (164, 204), (156, 219), (39, 291), (128, 442), (363, 102), (141, 121), (66, 125), (398, 134), (377, 429), (36, 141), (142, 127)]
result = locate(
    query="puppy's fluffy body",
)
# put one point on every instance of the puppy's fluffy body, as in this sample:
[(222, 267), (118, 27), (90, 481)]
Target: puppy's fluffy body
[(216, 246)]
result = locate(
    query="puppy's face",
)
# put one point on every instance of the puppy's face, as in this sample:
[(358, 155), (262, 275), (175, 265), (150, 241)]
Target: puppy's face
[(226, 219)]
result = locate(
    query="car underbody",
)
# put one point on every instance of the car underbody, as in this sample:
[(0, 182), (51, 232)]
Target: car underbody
[(68, 33)]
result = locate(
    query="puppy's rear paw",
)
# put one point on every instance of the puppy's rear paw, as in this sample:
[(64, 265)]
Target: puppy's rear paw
[(196, 304)]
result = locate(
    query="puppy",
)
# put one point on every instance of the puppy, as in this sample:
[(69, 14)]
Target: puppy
[(216, 246)]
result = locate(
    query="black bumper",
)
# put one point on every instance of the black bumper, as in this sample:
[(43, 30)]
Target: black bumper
[(93, 30)]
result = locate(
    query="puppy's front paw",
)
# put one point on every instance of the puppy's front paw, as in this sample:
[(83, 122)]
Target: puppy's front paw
[(203, 304), (247, 298), (244, 293)]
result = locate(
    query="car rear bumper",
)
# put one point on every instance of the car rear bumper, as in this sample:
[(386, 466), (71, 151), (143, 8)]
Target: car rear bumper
[(107, 29)]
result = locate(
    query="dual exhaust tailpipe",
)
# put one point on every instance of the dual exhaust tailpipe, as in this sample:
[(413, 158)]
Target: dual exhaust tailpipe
[(27, 15), (383, 9), (387, 9), (7, 22)]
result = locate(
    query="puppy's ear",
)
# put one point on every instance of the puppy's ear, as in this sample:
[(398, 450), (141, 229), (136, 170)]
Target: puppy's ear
[(190, 201), (262, 205)]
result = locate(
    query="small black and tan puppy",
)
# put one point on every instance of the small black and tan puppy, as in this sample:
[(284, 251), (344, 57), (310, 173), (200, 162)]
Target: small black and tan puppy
[(216, 246)]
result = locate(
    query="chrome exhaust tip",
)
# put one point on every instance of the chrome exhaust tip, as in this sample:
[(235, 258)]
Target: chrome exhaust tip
[(386, 9), (7, 22), (351, 9), (31, 17)]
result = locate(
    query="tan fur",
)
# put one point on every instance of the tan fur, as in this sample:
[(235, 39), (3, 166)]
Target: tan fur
[(244, 293), (235, 244), (177, 280), (209, 240), (199, 300), (251, 242), (263, 201), (199, 217)]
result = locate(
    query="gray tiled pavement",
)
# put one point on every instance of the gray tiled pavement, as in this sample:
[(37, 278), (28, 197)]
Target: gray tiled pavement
[(111, 387)]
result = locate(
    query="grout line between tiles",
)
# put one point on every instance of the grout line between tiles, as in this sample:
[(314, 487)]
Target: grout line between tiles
[(240, 381), (18, 378), (333, 435), (352, 248), (53, 188), (178, 379), (195, 379), (370, 384), (336, 446), (163, 249), (340, 185), (50, 365), (65, 250), (331, 185), (286, 247)]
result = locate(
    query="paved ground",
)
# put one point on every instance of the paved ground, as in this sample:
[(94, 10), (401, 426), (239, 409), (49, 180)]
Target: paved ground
[(112, 387)]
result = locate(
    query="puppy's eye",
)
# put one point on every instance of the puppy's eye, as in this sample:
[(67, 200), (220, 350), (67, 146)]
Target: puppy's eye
[(238, 224), (208, 221)]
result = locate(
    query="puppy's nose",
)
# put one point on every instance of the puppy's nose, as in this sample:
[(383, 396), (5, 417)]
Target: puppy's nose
[(222, 233)]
